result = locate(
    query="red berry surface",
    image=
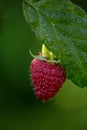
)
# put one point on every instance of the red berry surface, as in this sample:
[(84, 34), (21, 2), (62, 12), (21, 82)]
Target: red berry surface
[(47, 78)]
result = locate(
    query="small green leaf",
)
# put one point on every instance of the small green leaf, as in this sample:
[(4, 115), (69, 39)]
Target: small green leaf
[(62, 27)]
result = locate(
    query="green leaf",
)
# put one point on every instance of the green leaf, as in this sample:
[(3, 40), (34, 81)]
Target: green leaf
[(62, 27)]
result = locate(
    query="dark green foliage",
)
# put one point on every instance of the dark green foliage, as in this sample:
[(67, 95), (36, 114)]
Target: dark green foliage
[(62, 27)]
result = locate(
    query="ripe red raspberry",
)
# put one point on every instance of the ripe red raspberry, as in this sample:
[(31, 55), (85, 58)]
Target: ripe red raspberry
[(47, 78)]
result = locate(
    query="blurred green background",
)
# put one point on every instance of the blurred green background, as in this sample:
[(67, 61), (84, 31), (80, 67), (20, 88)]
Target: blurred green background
[(19, 108)]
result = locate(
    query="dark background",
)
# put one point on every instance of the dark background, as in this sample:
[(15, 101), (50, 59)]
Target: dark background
[(19, 108)]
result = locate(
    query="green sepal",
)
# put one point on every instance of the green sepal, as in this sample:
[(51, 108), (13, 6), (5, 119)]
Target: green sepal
[(42, 57)]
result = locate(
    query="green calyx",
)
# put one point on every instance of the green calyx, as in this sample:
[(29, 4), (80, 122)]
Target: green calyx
[(50, 57), (46, 55)]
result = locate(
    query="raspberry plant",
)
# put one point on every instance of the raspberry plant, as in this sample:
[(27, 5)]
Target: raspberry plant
[(62, 27)]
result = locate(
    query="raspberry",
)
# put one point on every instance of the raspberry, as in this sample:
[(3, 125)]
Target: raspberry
[(47, 78)]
